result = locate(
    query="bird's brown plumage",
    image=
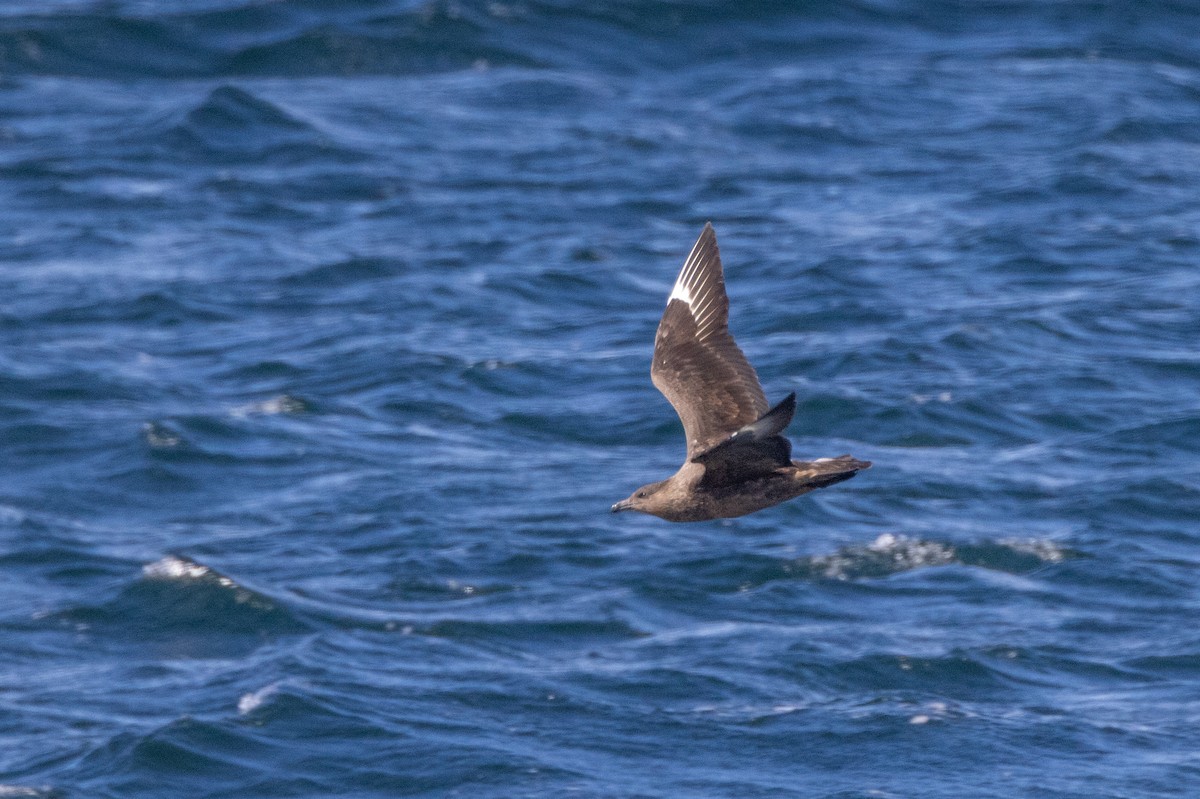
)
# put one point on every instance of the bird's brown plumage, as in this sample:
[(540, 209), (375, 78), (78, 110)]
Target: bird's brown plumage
[(737, 460)]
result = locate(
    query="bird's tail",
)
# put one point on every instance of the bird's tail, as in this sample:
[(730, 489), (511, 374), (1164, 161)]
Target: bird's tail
[(827, 471)]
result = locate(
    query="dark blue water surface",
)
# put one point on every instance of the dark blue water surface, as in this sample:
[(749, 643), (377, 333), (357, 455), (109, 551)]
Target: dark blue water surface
[(324, 349)]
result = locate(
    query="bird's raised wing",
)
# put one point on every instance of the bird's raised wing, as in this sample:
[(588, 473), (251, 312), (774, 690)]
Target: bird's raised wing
[(697, 365)]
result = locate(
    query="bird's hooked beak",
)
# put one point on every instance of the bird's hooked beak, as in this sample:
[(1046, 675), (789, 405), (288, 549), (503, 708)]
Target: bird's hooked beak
[(622, 505)]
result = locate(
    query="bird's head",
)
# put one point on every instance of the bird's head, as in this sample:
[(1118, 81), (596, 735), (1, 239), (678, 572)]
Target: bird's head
[(646, 499)]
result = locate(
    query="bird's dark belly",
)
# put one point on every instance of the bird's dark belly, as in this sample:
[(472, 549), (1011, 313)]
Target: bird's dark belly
[(727, 502)]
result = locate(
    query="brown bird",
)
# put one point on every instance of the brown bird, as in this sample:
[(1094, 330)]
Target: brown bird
[(737, 460)]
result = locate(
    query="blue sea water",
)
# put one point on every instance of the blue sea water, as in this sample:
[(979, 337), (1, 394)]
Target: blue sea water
[(324, 348)]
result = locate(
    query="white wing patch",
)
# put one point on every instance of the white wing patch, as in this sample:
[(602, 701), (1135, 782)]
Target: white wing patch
[(680, 292), (696, 287)]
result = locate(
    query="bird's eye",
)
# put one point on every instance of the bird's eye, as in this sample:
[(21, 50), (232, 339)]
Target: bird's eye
[(640, 494)]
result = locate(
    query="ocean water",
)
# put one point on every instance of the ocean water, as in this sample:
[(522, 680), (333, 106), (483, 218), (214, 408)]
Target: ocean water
[(324, 349)]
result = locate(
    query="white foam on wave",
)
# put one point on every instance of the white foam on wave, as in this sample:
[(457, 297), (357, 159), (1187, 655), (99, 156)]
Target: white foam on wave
[(253, 700), (282, 404), (941, 396), (173, 567), (888, 553), (12, 515), (159, 436), (911, 551), (187, 574), (934, 710), (1045, 551)]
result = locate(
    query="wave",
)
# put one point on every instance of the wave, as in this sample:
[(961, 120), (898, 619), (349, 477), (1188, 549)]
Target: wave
[(513, 633), (888, 555), (892, 554), (253, 39), (186, 609), (402, 37), (25, 790), (233, 123)]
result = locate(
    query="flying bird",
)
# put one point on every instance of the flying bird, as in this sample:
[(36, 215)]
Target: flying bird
[(738, 461)]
